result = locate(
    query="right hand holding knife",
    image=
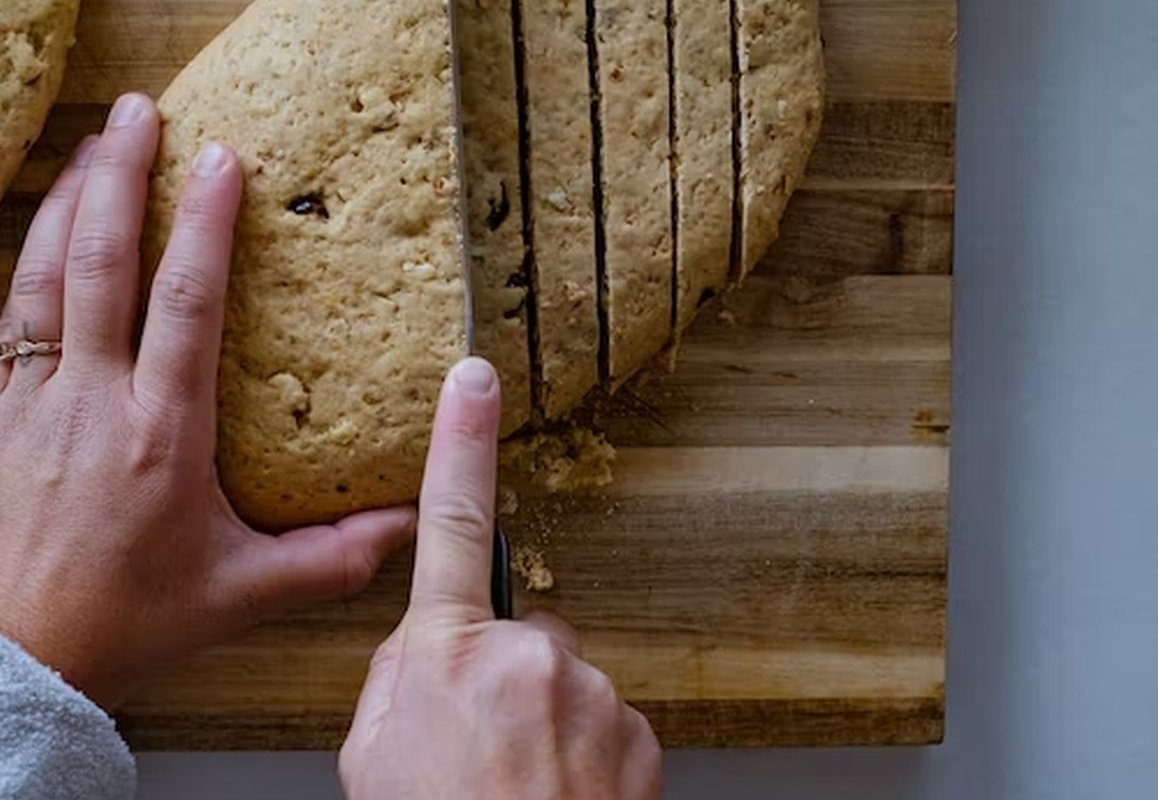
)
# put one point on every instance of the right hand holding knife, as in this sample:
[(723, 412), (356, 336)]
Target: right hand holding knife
[(461, 705)]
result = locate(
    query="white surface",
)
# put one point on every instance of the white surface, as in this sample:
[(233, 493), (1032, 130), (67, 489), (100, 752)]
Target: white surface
[(1054, 571)]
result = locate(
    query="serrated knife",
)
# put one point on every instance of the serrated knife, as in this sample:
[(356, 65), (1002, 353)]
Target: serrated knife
[(502, 599)]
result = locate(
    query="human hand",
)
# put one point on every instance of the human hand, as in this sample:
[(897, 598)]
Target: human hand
[(118, 550), (459, 705)]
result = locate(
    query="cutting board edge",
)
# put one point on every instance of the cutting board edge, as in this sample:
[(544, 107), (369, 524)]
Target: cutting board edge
[(742, 724)]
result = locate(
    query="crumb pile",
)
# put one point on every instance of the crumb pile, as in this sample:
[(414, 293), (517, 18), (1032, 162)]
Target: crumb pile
[(531, 566), (569, 460)]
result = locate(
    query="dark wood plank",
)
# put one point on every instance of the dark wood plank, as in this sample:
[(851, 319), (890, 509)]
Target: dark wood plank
[(750, 723), (882, 144)]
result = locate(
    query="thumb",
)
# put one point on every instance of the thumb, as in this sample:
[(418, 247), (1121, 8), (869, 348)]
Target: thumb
[(323, 562)]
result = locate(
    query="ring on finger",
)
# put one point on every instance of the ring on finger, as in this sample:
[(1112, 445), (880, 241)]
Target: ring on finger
[(27, 348)]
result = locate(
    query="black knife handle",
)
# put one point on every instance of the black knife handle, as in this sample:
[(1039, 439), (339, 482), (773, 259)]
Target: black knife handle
[(502, 596)]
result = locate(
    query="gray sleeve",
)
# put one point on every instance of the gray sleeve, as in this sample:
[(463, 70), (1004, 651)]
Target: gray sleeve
[(56, 744)]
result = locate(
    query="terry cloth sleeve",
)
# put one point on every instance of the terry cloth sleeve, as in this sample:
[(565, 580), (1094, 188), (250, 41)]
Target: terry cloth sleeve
[(56, 744)]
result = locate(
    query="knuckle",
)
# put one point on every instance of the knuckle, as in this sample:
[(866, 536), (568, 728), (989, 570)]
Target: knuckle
[(197, 212), (644, 737), (384, 656), (96, 251), (539, 660), (163, 401), (179, 292), (652, 754), (36, 276), (147, 454), (601, 688), (459, 512), (359, 568), (58, 202), (472, 430), (114, 157), (152, 444)]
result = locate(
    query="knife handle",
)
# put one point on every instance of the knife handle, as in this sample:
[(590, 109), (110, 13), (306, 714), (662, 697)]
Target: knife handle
[(502, 596)]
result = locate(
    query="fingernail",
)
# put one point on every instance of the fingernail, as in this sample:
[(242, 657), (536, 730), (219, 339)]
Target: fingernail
[(474, 377), (129, 110), (84, 151), (211, 161)]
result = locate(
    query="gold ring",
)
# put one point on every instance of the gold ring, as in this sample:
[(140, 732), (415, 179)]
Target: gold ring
[(26, 349)]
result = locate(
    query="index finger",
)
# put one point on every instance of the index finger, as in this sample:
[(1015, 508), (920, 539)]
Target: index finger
[(456, 514)]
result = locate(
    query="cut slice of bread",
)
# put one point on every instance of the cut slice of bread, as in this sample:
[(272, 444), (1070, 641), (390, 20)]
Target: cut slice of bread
[(782, 102), (491, 157), (703, 151), (346, 305), (35, 37), (636, 178), (559, 109)]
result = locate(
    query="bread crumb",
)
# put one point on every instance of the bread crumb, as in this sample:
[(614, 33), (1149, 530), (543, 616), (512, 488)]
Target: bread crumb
[(508, 502), (672, 360), (531, 566), (564, 461), (558, 200)]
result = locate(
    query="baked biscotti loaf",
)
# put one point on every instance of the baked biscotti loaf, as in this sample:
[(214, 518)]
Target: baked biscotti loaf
[(782, 102), (35, 37), (346, 304)]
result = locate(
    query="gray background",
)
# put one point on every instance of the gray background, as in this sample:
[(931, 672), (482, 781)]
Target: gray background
[(1054, 571)]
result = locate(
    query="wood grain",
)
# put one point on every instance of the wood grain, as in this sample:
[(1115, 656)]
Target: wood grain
[(769, 568), (877, 49)]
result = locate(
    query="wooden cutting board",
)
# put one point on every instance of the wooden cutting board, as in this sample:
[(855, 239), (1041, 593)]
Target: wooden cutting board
[(770, 566)]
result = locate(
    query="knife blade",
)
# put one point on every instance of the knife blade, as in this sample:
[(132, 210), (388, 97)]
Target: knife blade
[(502, 599)]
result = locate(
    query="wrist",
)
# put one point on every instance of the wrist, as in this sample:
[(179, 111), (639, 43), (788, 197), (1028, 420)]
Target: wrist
[(53, 651)]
